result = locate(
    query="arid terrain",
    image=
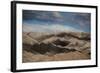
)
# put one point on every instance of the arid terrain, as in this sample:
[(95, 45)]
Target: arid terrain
[(39, 47)]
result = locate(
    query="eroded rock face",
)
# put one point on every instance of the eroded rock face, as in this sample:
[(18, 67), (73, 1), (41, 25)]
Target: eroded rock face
[(61, 42), (56, 46), (28, 40), (43, 48), (56, 43)]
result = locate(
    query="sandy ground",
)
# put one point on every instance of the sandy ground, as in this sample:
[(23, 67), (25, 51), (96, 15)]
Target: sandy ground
[(29, 57)]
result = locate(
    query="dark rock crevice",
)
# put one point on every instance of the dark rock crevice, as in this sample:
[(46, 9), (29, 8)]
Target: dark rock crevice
[(43, 48)]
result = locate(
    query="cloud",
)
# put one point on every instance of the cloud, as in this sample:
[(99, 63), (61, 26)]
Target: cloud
[(47, 28), (52, 16), (57, 14), (72, 19), (83, 19)]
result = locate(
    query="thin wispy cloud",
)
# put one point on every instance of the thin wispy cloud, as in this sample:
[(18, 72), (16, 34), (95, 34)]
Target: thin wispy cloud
[(47, 28)]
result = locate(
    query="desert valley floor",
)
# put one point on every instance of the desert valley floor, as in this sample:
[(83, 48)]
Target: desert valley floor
[(39, 47)]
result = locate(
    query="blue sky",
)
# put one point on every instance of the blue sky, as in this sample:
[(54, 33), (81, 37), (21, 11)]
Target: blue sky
[(52, 21)]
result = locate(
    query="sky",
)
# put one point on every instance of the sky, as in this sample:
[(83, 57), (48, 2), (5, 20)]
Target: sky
[(53, 21)]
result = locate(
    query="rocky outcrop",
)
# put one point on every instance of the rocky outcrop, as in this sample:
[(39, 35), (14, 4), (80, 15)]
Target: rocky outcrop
[(56, 43), (78, 35), (56, 47), (43, 48)]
